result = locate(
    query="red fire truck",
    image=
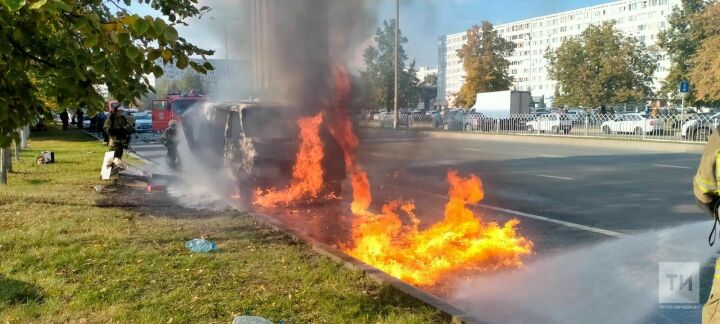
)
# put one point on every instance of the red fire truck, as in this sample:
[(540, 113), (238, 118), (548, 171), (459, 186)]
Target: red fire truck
[(163, 111)]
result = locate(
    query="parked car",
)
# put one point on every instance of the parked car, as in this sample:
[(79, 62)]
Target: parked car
[(700, 127), (453, 119), (634, 123), (86, 122), (143, 122), (555, 123), (575, 116), (478, 122), (382, 115)]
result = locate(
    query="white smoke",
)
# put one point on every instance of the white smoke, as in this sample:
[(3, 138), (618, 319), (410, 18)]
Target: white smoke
[(611, 282)]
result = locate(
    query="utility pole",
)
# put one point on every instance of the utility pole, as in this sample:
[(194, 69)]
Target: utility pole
[(397, 32), (227, 61)]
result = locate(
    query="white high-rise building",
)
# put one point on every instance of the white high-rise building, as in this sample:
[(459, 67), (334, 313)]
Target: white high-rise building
[(643, 19), (425, 71)]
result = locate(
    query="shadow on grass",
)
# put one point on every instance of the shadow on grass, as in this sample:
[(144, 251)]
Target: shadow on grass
[(13, 292)]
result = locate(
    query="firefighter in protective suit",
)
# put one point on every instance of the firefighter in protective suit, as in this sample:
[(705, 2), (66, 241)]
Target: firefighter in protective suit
[(171, 141), (706, 186)]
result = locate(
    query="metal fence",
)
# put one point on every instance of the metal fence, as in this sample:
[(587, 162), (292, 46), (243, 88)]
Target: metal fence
[(677, 128)]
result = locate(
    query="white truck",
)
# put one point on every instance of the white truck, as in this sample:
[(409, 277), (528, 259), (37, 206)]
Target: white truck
[(508, 109), (502, 104)]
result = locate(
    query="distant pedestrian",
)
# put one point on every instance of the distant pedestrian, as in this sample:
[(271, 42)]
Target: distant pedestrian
[(79, 115), (65, 119), (118, 130)]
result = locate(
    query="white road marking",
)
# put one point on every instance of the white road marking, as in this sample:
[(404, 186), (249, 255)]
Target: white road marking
[(381, 155), (471, 149), (672, 166), (551, 156), (554, 177), (526, 215)]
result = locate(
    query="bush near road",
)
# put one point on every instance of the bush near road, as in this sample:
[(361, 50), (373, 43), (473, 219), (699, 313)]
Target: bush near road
[(65, 259)]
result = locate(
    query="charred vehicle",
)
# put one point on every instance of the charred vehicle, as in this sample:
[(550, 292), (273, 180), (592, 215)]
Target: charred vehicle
[(258, 143)]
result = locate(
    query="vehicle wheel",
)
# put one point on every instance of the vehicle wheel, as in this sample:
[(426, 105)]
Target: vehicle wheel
[(446, 127), (702, 134), (606, 129), (638, 131)]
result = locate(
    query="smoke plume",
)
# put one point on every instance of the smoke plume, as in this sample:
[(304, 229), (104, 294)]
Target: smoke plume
[(612, 282)]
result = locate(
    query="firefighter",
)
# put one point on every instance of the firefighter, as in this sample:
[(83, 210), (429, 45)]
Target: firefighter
[(118, 129), (707, 193), (170, 139)]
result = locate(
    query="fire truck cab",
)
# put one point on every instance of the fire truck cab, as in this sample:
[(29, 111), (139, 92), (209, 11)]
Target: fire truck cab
[(173, 108)]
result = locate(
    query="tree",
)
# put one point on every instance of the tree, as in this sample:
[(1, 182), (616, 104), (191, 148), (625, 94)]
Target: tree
[(600, 67), (681, 41), (430, 80), (192, 82), (80, 45), (704, 73), (485, 62), (379, 67), (61, 52)]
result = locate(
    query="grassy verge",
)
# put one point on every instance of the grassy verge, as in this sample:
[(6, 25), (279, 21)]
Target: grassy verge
[(66, 259)]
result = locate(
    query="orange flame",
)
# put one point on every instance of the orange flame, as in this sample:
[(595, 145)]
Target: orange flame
[(307, 180), (341, 127), (460, 242)]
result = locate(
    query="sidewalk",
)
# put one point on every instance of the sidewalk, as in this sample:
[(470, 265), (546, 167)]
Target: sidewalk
[(79, 250)]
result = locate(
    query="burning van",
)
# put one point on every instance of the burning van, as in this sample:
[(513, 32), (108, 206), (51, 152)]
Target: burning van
[(259, 144)]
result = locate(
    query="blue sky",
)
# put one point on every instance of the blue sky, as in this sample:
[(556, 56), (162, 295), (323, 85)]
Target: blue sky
[(422, 21)]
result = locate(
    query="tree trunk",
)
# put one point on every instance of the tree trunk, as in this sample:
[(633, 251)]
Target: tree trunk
[(17, 149), (25, 137), (3, 167), (8, 159)]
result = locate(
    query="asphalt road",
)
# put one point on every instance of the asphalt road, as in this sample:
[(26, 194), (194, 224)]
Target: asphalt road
[(566, 197)]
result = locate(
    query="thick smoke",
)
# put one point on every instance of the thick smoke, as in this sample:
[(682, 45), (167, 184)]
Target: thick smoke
[(281, 51), (301, 41)]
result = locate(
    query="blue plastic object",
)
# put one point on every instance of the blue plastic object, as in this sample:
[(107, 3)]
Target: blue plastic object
[(250, 320), (201, 246)]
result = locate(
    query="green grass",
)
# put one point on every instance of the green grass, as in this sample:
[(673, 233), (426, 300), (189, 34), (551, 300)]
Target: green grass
[(63, 259)]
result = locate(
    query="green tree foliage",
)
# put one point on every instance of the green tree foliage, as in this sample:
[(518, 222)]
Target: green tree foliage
[(187, 83), (601, 67), (681, 41), (379, 71), (485, 62), (73, 47), (704, 74), (430, 80)]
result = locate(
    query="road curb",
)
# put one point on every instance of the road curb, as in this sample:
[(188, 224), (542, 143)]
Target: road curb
[(644, 145), (448, 311)]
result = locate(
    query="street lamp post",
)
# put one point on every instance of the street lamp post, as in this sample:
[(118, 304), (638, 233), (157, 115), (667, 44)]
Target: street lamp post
[(397, 32), (227, 61)]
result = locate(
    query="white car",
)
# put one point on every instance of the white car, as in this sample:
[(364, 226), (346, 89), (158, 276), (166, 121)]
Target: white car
[(637, 124), (382, 116), (700, 127), (555, 123), (143, 122)]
